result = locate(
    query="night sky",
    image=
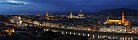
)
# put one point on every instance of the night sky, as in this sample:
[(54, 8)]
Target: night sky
[(53, 6)]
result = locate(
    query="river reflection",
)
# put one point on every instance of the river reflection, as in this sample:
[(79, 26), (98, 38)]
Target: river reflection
[(101, 36), (106, 37)]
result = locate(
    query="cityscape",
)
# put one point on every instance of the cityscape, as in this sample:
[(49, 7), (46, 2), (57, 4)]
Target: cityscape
[(17, 23)]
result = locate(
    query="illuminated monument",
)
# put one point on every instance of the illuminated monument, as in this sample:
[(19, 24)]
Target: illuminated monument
[(122, 21), (46, 15), (80, 15), (70, 16)]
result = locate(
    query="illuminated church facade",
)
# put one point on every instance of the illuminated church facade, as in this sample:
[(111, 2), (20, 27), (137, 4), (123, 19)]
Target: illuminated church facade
[(122, 21)]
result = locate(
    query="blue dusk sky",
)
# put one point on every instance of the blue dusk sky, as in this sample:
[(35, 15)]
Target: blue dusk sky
[(53, 6)]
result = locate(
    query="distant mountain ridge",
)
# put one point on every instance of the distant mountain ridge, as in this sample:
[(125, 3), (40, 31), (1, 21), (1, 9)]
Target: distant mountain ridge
[(117, 12), (108, 12)]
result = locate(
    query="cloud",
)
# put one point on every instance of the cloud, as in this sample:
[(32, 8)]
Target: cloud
[(13, 2)]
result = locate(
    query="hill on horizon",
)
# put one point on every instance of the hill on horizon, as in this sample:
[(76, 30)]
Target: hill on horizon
[(117, 12), (107, 12)]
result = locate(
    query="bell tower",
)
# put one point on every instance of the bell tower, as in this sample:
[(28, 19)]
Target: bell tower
[(46, 15), (70, 16), (123, 17)]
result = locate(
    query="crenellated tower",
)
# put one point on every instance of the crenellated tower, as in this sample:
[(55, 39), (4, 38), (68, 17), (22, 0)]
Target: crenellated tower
[(70, 16), (46, 15)]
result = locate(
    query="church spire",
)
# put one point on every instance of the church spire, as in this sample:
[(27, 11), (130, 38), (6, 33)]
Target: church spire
[(123, 17)]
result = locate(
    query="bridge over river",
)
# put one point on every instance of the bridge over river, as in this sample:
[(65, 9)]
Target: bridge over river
[(94, 34)]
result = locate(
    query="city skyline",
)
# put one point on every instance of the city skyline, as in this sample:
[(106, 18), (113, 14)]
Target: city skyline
[(53, 6), (68, 20)]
